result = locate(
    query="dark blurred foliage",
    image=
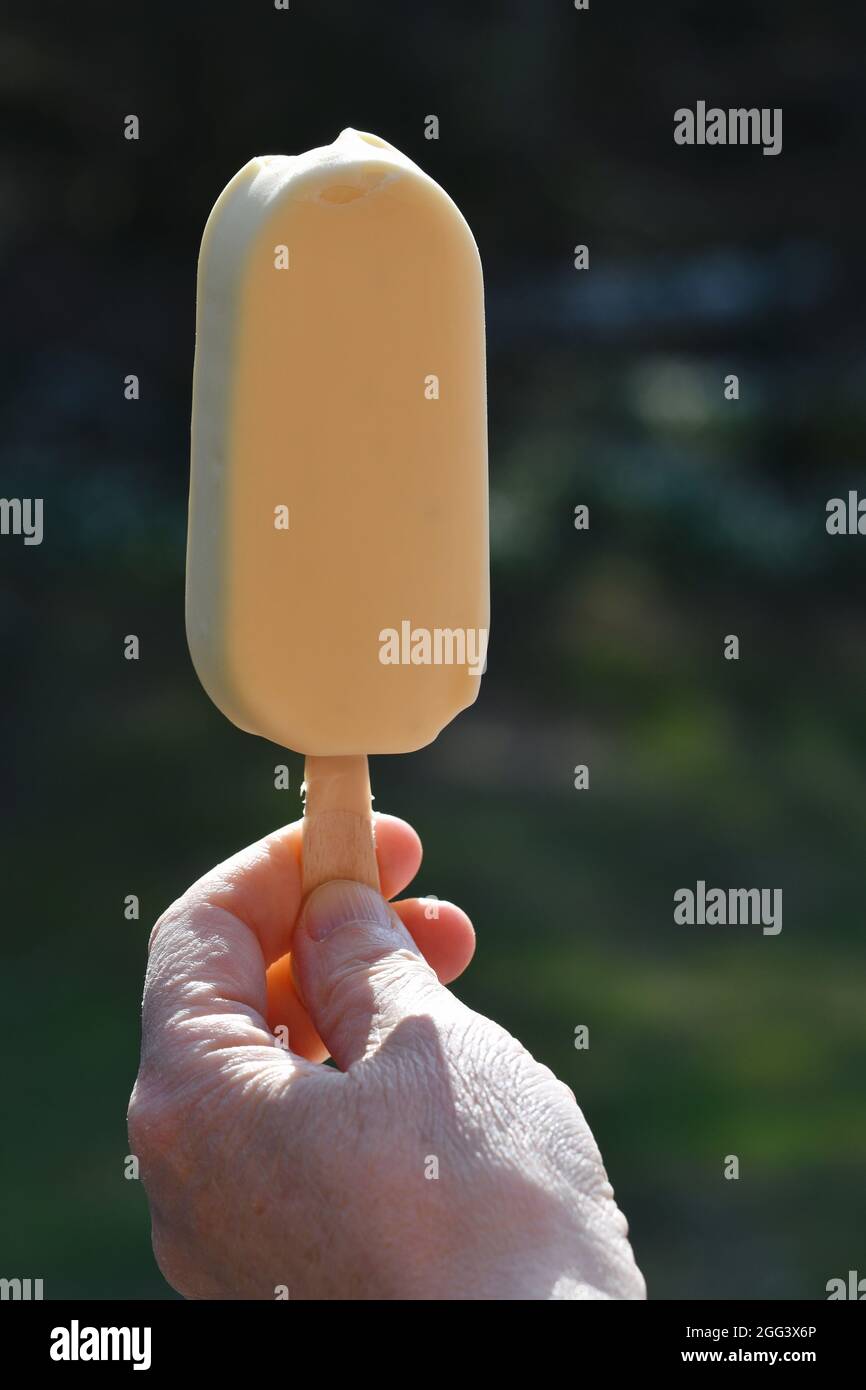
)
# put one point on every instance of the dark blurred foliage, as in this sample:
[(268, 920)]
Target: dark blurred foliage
[(707, 517)]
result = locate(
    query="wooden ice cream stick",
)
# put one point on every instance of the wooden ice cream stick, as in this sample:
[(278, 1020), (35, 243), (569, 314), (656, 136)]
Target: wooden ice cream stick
[(338, 840)]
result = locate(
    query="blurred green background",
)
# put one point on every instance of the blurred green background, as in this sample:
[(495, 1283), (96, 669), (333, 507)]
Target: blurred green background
[(606, 387)]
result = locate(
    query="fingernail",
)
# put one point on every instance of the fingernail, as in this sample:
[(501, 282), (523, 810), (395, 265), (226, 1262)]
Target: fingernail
[(341, 904)]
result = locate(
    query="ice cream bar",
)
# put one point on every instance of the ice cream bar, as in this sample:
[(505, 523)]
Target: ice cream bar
[(337, 569)]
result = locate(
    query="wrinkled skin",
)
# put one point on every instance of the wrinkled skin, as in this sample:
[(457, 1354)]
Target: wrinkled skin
[(270, 1175)]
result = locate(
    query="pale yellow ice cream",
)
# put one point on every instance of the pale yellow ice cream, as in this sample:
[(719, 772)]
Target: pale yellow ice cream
[(337, 567)]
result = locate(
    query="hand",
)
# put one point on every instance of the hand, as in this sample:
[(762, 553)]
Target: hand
[(439, 1161)]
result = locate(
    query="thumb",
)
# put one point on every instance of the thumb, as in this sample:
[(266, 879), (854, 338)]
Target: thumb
[(358, 970)]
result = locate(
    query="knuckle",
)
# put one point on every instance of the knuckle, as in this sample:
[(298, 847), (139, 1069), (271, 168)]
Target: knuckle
[(155, 1124)]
